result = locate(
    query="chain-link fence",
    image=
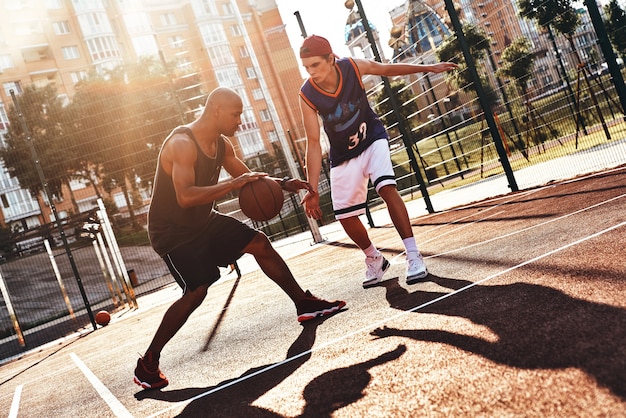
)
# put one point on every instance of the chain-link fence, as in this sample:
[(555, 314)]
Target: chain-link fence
[(98, 155)]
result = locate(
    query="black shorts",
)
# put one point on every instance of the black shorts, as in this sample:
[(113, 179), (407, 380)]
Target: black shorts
[(197, 262)]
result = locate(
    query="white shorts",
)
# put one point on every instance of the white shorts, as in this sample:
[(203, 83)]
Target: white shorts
[(348, 181)]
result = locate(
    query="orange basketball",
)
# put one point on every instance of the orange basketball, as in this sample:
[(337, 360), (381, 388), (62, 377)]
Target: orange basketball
[(103, 318), (262, 199)]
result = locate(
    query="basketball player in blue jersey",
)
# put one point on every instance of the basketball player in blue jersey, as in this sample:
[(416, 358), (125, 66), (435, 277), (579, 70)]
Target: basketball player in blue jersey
[(359, 149), (193, 239)]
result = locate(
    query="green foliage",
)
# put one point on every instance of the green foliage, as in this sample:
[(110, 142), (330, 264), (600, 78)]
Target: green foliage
[(122, 121), (450, 50), (404, 96), (517, 62), (616, 26), (7, 241), (46, 119), (558, 13)]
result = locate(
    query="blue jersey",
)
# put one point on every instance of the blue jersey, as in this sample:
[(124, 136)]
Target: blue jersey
[(349, 121)]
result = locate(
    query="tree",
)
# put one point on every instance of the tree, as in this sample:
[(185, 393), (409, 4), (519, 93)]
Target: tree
[(122, 119), (409, 106), (616, 26), (518, 63), (558, 14), (450, 50), (46, 118)]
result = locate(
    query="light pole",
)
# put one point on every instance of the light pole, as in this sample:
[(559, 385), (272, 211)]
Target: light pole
[(395, 105)]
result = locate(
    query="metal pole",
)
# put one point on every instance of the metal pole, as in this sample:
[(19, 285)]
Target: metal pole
[(482, 97), (299, 19), (607, 51), (44, 184), (402, 123)]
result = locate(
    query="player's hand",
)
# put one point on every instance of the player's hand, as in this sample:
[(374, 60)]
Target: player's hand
[(245, 178), (443, 67), (293, 185), (311, 203)]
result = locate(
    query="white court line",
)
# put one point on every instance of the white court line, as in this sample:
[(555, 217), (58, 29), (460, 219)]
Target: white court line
[(389, 319), (116, 406), (467, 225), (519, 231), (15, 405), (395, 259)]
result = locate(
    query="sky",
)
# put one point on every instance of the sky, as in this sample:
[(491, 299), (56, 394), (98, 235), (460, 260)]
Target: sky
[(327, 18)]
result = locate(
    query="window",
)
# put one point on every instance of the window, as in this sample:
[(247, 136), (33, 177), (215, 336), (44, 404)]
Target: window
[(168, 19), (250, 143), (243, 51), (250, 72), (265, 115), (176, 42), (6, 61), (235, 30), (272, 135), (18, 203), (70, 52), (204, 8), (228, 77), (184, 64), (257, 94), (78, 76), (78, 184), (94, 23), (227, 9), (61, 28), (6, 181), (212, 33), (102, 48), (248, 121), (16, 86), (220, 55), (4, 118)]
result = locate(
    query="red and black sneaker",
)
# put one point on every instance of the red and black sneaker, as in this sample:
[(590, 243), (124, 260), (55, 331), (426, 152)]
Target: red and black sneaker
[(311, 307), (147, 373)]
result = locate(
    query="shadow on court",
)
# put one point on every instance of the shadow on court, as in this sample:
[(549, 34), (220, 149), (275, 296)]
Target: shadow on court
[(325, 394), (537, 327)]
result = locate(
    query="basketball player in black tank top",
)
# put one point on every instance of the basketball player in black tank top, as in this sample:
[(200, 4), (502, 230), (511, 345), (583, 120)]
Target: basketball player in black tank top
[(194, 239)]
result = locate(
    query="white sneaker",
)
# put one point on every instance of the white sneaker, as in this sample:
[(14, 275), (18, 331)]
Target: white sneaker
[(415, 268), (376, 268)]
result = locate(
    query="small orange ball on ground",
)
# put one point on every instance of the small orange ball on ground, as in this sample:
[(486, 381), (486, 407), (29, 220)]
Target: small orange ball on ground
[(103, 318)]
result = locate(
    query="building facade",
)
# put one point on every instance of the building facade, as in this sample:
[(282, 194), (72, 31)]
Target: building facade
[(236, 44)]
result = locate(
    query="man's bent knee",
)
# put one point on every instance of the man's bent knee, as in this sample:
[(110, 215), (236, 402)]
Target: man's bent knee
[(260, 243)]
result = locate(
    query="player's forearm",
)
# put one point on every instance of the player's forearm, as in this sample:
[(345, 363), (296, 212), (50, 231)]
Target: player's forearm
[(404, 69), (197, 196), (313, 166)]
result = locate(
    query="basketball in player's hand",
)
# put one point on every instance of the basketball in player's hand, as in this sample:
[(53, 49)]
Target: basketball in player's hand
[(262, 199)]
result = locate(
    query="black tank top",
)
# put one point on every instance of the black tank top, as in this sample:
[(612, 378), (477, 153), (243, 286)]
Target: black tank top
[(169, 224)]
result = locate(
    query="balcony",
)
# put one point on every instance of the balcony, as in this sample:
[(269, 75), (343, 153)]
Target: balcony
[(35, 52)]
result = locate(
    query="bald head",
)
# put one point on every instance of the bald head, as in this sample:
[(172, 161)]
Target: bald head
[(222, 97), (223, 111)]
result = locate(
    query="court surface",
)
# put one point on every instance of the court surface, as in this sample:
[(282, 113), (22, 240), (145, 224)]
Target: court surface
[(523, 314)]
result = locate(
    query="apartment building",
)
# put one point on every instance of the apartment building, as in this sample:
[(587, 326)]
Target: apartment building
[(238, 44)]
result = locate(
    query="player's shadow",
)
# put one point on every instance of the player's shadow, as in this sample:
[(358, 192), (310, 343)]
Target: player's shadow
[(234, 397), (338, 388), (537, 327)]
